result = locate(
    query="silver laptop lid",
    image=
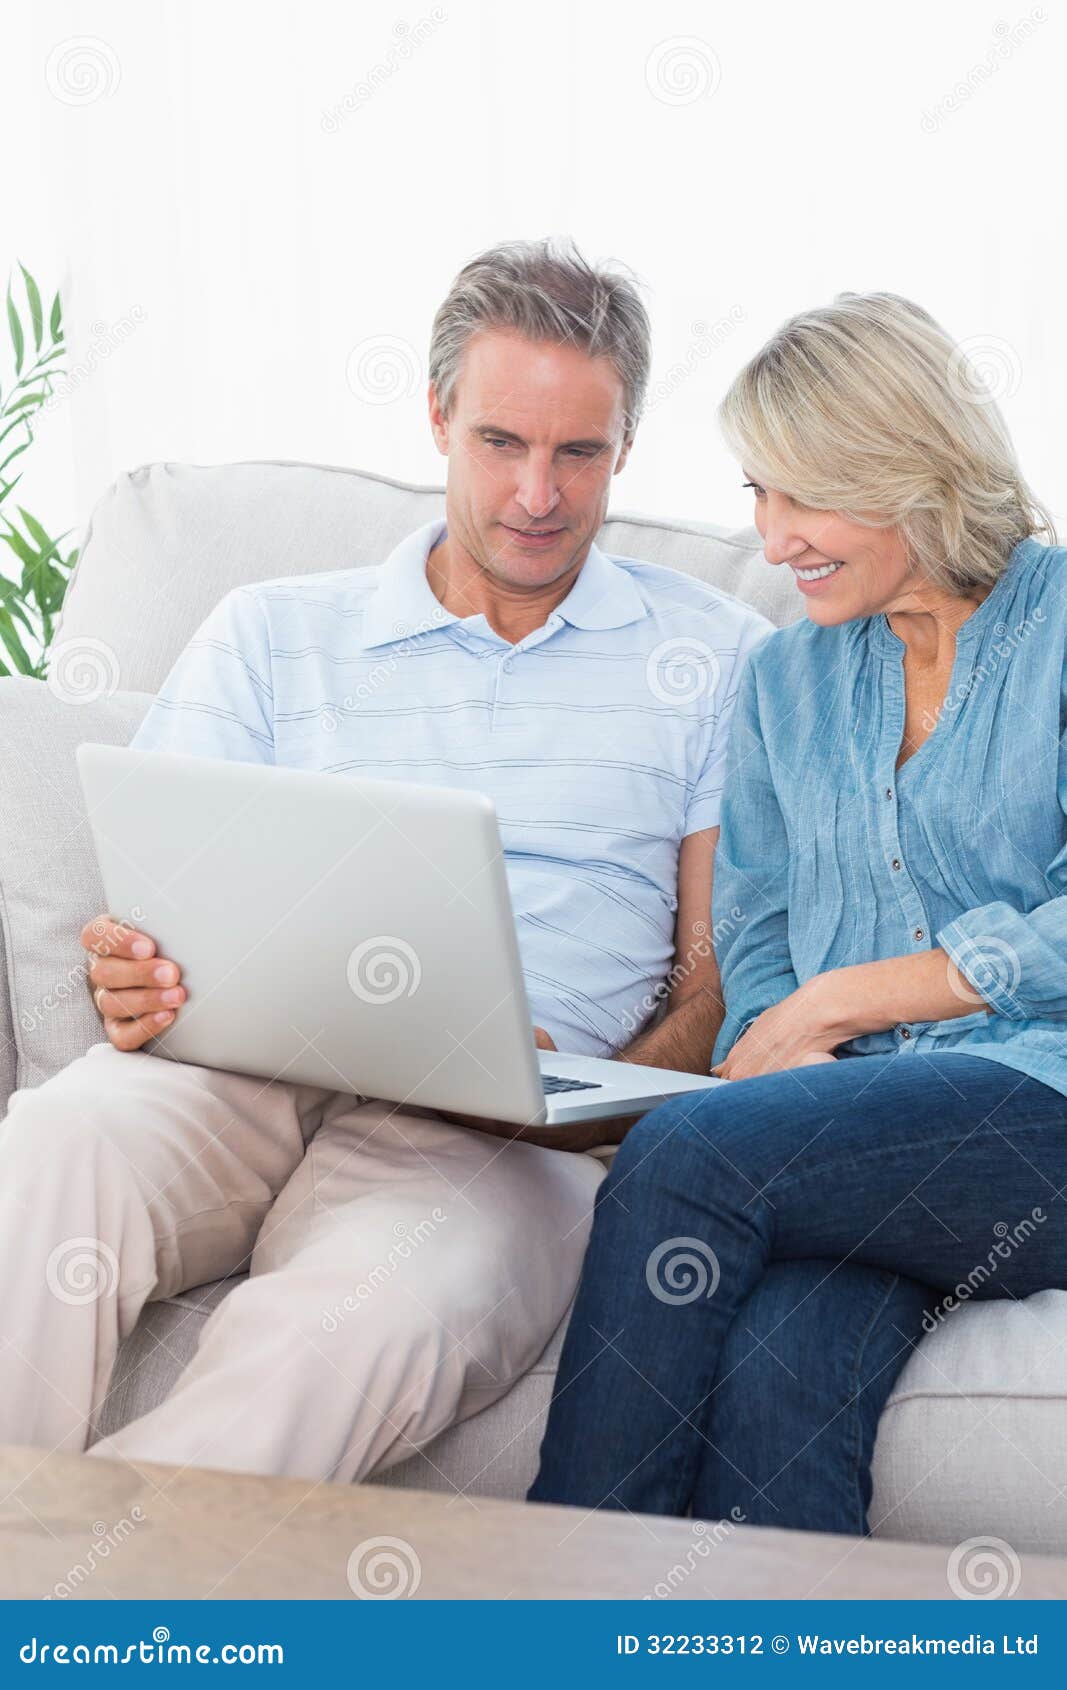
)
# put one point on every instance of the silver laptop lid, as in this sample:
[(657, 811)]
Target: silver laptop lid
[(350, 933)]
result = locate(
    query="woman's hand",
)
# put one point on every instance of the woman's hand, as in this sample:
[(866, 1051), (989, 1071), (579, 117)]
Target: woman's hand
[(791, 1034)]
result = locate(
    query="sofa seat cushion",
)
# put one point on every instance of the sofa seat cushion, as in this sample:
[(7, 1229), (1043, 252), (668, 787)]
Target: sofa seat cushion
[(985, 1394)]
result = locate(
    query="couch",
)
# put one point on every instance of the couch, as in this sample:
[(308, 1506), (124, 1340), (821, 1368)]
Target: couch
[(973, 1441)]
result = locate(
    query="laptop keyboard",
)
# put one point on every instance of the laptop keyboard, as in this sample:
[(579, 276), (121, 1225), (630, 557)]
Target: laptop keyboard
[(555, 1082)]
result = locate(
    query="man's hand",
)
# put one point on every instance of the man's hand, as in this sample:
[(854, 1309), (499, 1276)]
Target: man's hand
[(136, 992)]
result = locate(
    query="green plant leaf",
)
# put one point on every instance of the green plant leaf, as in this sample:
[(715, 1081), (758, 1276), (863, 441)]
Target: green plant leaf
[(12, 603), (20, 546), (27, 401), (18, 339), (36, 315), (12, 455), (36, 532), (55, 320), (21, 658)]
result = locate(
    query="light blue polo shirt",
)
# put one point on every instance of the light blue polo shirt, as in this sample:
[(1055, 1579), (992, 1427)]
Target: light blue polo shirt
[(600, 738)]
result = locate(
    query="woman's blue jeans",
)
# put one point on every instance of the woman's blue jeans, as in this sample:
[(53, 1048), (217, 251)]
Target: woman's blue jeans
[(762, 1262)]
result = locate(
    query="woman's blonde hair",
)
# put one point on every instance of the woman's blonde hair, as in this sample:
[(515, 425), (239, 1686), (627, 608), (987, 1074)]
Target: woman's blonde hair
[(868, 407)]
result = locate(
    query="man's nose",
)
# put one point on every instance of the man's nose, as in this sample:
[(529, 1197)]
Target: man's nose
[(538, 491)]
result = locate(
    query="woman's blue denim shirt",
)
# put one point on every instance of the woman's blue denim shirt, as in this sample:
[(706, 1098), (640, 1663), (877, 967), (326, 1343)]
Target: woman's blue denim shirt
[(829, 855)]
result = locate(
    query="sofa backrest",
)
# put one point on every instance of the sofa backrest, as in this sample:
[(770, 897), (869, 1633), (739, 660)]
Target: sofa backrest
[(167, 541)]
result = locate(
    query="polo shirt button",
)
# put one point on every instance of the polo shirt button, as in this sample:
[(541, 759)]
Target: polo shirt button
[(889, 792), (905, 1032), (919, 933), (896, 862)]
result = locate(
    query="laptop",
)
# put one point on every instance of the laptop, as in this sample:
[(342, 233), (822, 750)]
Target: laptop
[(340, 932)]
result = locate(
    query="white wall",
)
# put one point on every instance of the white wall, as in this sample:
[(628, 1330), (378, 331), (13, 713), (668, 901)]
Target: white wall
[(255, 190)]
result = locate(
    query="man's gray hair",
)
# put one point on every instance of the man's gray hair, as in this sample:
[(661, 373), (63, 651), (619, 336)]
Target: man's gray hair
[(546, 291)]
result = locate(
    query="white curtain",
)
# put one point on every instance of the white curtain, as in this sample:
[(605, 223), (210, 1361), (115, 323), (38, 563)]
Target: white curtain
[(254, 209)]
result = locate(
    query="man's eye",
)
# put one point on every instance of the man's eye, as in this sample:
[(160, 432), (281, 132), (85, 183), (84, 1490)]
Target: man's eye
[(494, 440), (578, 451)]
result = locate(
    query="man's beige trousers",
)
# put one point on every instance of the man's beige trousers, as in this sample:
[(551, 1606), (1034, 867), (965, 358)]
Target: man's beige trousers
[(403, 1272)]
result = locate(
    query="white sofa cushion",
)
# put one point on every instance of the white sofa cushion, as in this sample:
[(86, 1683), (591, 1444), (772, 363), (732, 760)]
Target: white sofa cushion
[(168, 540), (49, 880)]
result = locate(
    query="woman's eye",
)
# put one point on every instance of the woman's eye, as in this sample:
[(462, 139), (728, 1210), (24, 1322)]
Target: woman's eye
[(756, 488)]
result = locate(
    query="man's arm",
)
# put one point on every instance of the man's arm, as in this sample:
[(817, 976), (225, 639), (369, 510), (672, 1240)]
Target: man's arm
[(685, 1037)]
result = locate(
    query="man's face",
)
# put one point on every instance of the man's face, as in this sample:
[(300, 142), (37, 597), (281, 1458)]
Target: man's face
[(534, 435)]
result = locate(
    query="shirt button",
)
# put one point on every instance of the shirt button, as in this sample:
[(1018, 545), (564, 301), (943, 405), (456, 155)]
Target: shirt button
[(905, 1032), (920, 933), (896, 862), (889, 792)]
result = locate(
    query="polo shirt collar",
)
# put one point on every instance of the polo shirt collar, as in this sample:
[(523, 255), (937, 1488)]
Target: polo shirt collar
[(405, 605)]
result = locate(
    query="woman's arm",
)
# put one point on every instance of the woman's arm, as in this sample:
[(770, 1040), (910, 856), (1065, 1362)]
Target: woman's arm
[(866, 997), (751, 883)]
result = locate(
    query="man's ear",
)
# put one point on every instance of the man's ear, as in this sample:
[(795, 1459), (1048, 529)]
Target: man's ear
[(438, 421), (623, 455)]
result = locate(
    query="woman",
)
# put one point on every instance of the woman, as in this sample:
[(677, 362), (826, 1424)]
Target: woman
[(893, 829)]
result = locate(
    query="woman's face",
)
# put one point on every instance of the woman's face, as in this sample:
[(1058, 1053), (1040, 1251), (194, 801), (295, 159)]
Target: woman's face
[(841, 569)]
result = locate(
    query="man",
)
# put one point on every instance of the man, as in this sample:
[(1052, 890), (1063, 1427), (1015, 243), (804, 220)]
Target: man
[(499, 650)]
